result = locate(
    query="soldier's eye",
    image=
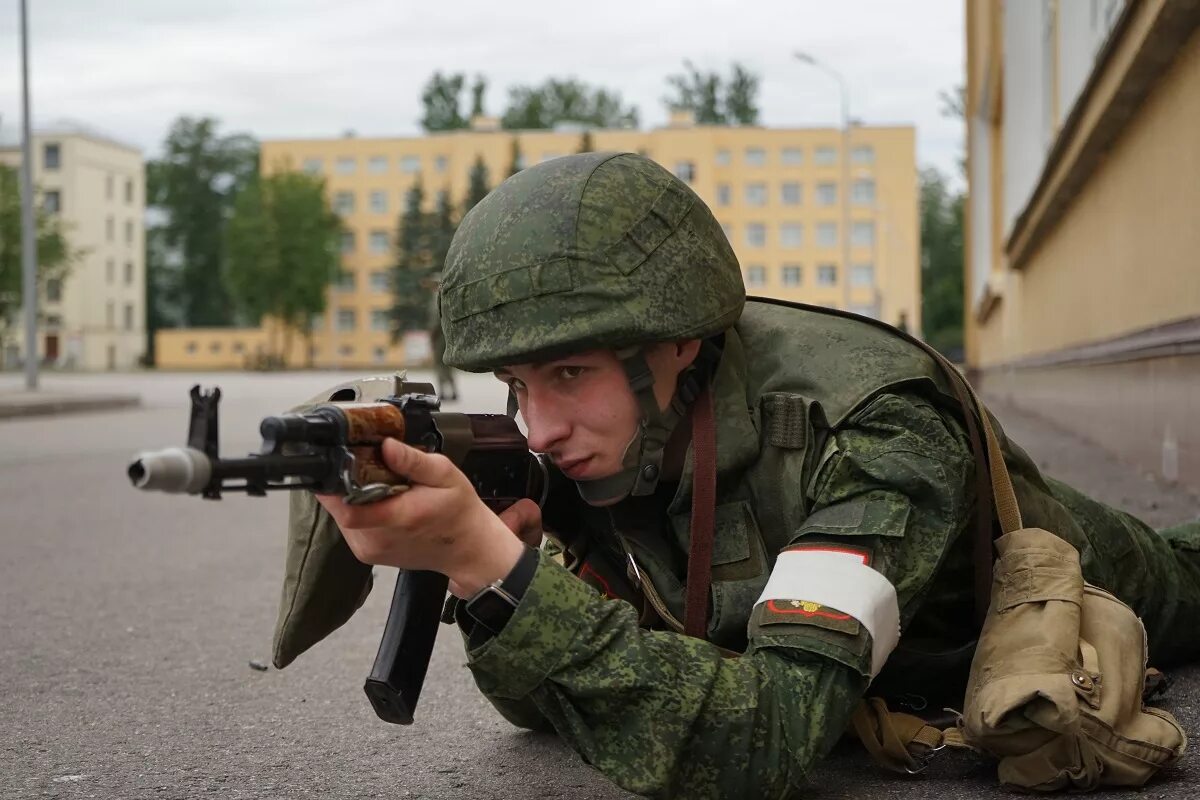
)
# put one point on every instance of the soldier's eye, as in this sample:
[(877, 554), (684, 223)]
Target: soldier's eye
[(570, 373), (515, 384)]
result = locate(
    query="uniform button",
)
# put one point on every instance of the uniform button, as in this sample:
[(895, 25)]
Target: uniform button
[(650, 472), (1083, 681)]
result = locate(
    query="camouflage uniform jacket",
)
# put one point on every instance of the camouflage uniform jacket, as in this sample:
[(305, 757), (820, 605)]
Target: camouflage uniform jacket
[(828, 431), (831, 434)]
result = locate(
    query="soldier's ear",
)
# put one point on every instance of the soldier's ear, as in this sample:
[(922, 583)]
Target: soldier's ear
[(686, 351)]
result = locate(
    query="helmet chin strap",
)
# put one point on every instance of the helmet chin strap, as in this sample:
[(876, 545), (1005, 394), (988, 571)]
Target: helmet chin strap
[(641, 464)]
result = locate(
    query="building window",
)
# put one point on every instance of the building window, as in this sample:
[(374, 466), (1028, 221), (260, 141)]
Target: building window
[(756, 194), (825, 156), (52, 201), (313, 166), (190, 348), (827, 234), (756, 234), (862, 275), (827, 275), (348, 243), (756, 157), (791, 234), (316, 322), (379, 354), (343, 203), (129, 316), (128, 273), (108, 186), (724, 194), (443, 198), (867, 310), (214, 347), (863, 193), (725, 226), (377, 165), (345, 166), (378, 202), (51, 156), (110, 314), (756, 276), (863, 154), (381, 281), (110, 229), (53, 321), (129, 191), (826, 194), (789, 194), (440, 164), (685, 171), (379, 242), (792, 273), (238, 347), (128, 231), (110, 271), (862, 234), (345, 319), (53, 290), (345, 281), (791, 156), (410, 165), (723, 158), (381, 320), (346, 350)]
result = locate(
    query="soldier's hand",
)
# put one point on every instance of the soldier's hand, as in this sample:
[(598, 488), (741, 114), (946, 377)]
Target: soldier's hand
[(439, 524), (524, 518)]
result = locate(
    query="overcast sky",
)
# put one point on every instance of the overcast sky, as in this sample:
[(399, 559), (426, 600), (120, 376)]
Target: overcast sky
[(315, 68)]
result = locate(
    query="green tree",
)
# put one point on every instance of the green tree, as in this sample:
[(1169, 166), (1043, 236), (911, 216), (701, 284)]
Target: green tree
[(52, 252), (516, 161), (714, 100), (477, 186), (698, 92), (942, 263), (570, 100), (741, 96), (441, 99), (478, 89), (191, 188), (414, 260), (585, 143), (282, 243)]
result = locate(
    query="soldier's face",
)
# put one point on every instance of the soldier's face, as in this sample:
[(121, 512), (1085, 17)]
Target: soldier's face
[(580, 411)]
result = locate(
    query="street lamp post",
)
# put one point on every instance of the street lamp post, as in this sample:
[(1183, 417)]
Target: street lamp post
[(28, 243), (805, 58)]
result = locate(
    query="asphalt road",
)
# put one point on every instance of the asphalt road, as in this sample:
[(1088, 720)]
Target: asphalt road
[(129, 620)]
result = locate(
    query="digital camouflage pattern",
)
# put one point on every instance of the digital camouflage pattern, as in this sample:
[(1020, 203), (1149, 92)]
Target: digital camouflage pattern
[(816, 443), (627, 252)]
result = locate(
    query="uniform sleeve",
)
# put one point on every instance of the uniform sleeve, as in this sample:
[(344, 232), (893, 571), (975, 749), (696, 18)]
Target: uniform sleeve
[(662, 714)]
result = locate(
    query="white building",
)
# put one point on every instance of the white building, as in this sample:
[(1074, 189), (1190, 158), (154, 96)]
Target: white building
[(95, 319)]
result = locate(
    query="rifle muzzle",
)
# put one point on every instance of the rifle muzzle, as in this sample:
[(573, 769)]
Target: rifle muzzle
[(176, 470)]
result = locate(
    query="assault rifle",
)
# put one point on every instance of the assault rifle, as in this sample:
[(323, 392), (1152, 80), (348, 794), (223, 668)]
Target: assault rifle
[(335, 448)]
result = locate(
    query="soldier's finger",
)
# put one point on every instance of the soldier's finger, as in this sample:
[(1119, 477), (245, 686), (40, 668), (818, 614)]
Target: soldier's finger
[(426, 469)]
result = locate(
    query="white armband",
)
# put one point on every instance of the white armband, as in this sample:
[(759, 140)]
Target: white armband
[(840, 579)]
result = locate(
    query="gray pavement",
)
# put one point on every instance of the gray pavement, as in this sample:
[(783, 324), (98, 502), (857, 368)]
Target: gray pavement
[(129, 621)]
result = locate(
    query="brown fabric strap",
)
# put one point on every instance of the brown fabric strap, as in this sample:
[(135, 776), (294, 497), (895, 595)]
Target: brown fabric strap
[(704, 503), (898, 742)]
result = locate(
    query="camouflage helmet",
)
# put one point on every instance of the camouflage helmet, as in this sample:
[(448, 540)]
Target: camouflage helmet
[(588, 251)]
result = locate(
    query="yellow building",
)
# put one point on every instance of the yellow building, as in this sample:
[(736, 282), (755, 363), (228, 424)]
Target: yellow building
[(788, 198), (1083, 285), (95, 318)]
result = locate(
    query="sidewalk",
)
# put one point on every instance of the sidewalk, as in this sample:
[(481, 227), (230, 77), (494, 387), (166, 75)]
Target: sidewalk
[(24, 403)]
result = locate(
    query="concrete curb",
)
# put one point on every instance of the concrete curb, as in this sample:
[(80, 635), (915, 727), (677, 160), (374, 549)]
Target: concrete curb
[(36, 404)]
